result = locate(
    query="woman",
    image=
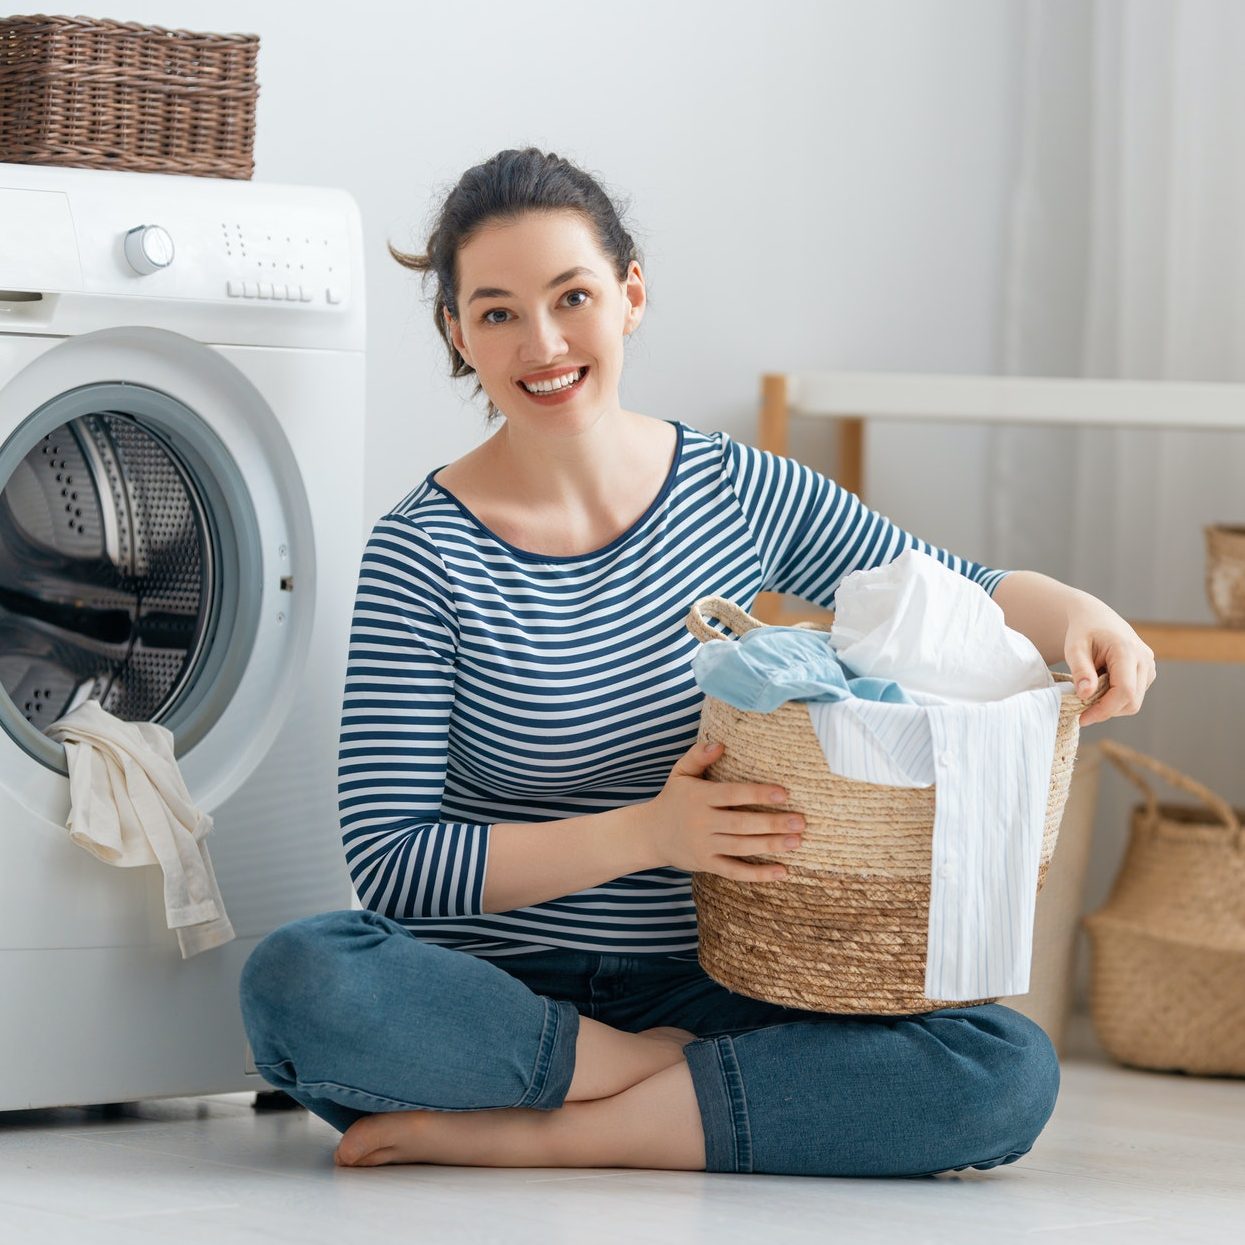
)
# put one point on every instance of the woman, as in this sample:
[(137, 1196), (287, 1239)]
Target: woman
[(520, 781)]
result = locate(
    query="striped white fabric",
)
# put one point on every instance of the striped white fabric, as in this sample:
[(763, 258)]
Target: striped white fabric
[(990, 765), (490, 684)]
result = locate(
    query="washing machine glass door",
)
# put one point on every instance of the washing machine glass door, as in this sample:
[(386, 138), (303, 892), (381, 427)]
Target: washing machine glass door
[(125, 534)]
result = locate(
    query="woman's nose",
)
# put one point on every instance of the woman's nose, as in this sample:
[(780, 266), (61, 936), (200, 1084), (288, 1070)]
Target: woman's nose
[(543, 342)]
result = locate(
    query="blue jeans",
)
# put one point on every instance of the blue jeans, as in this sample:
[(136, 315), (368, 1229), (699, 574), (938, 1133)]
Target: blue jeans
[(351, 1015)]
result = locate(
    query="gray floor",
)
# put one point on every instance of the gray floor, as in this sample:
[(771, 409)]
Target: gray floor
[(1128, 1156)]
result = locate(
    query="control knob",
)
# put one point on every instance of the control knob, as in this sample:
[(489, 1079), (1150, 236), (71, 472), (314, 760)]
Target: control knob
[(148, 248)]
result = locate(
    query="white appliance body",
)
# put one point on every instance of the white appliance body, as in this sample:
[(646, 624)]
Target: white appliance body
[(252, 408)]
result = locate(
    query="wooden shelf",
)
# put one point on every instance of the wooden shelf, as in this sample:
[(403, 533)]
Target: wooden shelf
[(1170, 641), (852, 398), (1192, 641)]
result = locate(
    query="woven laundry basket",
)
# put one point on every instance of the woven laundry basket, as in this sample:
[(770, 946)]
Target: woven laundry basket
[(1225, 573), (1167, 949), (846, 930), (86, 92)]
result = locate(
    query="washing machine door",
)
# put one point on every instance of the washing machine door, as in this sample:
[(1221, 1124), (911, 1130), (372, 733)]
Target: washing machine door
[(127, 545), (138, 520)]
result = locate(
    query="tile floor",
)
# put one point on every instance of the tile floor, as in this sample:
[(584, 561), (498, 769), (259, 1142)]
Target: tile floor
[(1128, 1156)]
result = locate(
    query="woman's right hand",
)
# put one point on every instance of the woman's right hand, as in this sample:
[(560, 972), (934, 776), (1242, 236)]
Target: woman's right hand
[(695, 824)]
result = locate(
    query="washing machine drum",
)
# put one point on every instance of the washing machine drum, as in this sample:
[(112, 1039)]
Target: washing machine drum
[(106, 572)]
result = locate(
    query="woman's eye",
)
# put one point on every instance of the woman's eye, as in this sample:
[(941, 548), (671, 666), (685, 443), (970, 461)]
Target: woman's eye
[(502, 311)]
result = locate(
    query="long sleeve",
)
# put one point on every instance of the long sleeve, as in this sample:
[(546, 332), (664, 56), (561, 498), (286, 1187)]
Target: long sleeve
[(810, 532), (404, 860)]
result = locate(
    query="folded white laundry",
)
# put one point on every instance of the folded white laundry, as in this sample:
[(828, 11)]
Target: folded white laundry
[(129, 806), (989, 753)]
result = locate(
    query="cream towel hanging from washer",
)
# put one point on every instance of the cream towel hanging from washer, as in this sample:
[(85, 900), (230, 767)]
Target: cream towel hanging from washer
[(129, 806)]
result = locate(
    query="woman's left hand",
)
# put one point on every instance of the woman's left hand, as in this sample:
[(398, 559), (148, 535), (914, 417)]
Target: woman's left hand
[(1096, 637)]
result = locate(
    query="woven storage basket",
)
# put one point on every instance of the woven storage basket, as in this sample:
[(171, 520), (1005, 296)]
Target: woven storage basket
[(1225, 573), (1167, 962), (846, 930), (92, 93)]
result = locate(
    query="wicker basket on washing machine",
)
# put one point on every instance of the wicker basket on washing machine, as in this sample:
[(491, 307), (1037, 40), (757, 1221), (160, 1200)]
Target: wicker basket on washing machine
[(846, 930), (93, 93)]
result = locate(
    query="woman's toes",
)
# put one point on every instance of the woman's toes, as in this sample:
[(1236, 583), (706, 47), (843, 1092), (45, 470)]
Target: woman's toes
[(376, 1158), (362, 1138), (392, 1137)]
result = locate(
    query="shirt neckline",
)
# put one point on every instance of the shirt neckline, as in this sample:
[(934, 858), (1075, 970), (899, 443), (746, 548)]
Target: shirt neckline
[(529, 556)]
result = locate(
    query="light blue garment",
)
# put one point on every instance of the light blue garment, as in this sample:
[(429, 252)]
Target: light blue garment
[(769, 666)]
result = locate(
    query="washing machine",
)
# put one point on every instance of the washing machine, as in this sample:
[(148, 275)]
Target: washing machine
[(181, 519)]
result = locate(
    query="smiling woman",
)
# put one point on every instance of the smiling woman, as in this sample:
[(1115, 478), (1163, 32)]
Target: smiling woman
[(554, 342), (523, 796), (555, 209)]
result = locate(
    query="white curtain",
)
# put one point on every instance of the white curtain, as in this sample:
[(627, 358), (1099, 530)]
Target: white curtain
[(1127, 259)]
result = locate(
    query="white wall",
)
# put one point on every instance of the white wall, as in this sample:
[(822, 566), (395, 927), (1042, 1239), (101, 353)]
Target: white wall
[(812, 184)]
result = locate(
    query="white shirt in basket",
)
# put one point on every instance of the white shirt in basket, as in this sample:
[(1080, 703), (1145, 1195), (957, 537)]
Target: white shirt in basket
[(982, 729)]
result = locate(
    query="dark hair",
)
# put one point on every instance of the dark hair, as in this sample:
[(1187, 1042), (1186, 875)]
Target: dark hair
[(503, 188)]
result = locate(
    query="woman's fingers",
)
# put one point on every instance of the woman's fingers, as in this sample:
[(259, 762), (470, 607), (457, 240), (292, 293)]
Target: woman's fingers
[(1126, 693), (746, 827), (739, 794)]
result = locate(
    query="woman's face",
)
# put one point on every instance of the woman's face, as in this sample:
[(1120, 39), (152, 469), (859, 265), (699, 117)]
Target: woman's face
[(525, 315)]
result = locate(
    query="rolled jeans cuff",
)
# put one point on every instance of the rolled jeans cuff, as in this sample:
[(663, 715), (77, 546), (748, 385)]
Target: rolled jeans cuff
[(723, 1105), (555, 1057)]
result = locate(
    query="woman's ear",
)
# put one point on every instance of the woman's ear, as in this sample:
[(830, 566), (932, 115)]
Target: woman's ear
[(456, 336), (635, 297)]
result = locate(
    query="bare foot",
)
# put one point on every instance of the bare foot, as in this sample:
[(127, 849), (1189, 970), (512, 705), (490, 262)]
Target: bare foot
[(504, 1137), (508, 1137), (392, 1137)]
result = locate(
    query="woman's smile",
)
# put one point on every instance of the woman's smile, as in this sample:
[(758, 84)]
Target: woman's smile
[(557, 390)]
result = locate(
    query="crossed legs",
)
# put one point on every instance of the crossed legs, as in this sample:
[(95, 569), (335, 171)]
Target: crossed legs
[(631, 1104)]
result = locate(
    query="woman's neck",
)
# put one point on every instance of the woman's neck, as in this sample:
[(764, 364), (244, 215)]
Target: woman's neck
[(577, 474)]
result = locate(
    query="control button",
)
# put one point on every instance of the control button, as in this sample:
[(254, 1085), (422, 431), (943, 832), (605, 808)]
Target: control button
[(249, 290), (291, 293), (304, 294), (235, 289), (148, 248), (278, 291), (265, 289), (332, 294)]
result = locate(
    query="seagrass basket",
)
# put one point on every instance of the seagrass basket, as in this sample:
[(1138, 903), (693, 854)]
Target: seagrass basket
[(846, 930), (1225, 573), (1167, 949), (88, 92)]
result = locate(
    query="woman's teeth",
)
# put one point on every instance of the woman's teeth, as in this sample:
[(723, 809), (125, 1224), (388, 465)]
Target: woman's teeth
[(551, 386)]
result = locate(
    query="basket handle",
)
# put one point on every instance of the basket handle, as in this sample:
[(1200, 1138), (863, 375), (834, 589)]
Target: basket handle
[(738, 620), (1128, 758)]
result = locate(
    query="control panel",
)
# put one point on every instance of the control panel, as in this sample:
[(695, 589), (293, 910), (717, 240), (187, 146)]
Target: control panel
[(131, 234), (290, 265)]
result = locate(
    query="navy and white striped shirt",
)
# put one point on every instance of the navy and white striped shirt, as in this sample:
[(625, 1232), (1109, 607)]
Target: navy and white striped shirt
[(489, 684)]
